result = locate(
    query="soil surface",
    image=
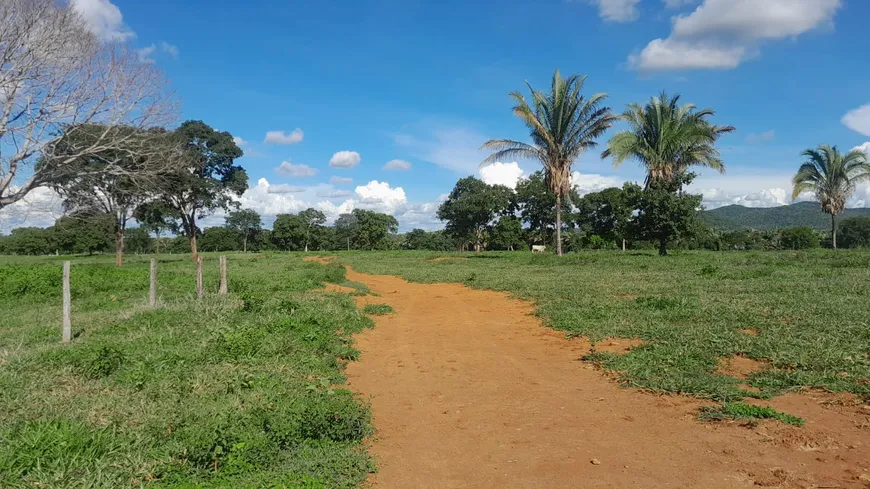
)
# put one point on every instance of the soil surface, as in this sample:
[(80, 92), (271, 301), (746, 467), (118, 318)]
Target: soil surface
[(469, 390)]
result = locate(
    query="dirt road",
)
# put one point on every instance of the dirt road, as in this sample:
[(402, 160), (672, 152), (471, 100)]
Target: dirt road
[(469, 390)]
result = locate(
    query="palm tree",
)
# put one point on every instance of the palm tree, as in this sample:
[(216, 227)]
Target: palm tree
[(667, 138), (562, 125), (832, 177)]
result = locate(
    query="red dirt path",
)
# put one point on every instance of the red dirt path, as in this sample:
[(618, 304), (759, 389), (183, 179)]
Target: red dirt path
[(468, 390)]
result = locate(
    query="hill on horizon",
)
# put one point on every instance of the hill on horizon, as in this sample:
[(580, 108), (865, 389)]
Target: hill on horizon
[(734, 217)]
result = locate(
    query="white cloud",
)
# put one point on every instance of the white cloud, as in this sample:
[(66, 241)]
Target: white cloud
[(397, 165), (340, 180), (292, 170), (145, 54), (587, 183), (455, 149), (863, 147), (39, 208), (239, 141), (760, 137), (285, 189), (858, 120), (344, 159), (498, 173), (617, 10), (280, 137), (104, 19), (381, 197), (270, 203), (720, 34), (169, 49)]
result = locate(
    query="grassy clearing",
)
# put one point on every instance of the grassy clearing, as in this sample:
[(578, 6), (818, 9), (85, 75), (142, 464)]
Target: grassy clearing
[(809, 310), (741, 411), (234, 393), (378, 309)]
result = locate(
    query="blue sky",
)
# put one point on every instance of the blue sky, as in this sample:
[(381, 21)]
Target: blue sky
[(426, 82)]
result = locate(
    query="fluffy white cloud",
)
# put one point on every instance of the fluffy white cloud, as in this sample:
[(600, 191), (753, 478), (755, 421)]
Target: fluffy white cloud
[(239, 141), (340, 180), (262, 199), (280, 137), (292, 170), (397, 165), (864, 147), (677, 3), (858, 120), (104, 19), (587, 183), (344, 159), (771, 197), (169, 49), (720, 34), (760, 137), (617, 10), (39, 208), (381, 197), (284, 189), (498, 173)]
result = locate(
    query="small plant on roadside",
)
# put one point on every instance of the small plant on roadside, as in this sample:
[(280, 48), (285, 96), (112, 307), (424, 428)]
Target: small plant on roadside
[(741, 411), (378, 309)]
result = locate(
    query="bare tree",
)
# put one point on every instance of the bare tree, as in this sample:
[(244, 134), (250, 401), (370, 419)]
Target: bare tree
[(56, 79)]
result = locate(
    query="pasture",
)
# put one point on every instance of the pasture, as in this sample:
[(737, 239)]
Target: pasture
[(250, 390)]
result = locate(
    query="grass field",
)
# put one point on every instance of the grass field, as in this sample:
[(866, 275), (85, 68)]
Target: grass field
[(237, 392), (246, 391), (806, 315)]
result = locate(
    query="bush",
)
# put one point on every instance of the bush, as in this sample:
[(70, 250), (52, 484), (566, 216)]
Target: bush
[(855, 232), (798, 238)]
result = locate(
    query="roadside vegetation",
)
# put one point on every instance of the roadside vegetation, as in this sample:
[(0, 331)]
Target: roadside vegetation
[(236, 391)]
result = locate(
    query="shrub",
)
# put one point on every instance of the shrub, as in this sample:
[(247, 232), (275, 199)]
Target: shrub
[(378, 309), (799, 238)]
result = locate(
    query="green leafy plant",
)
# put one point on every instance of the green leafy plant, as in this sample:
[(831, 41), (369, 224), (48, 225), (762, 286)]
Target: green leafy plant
[(741, 411), (378, 309)]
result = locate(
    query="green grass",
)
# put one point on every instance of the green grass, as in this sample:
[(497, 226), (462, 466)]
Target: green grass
[(810, 309), (378, 309), (243, 391), (741, 411)]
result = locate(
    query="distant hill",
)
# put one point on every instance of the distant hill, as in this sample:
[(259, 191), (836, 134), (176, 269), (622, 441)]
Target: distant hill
[(810, 214)]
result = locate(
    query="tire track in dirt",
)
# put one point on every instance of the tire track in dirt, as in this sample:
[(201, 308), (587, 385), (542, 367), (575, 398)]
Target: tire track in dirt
[(469, 390)]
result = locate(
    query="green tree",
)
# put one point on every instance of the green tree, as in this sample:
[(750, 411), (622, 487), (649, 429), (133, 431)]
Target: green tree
[(313, 221), (137, 240), (87, 233), (114, 180), (219, 238), (157, 218), (798, 238), (607, 213), (663, 214), (419, 239), (206, 177), (288, 232), (832, 177), (245, 222), (30, 241), (472, 207), (855, 232), (667, 139), (507, 234), (562, 125), (537, 206)]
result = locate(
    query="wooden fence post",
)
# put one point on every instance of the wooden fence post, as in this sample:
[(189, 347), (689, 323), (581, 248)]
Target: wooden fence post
[(199, 278), (223, 288), (152, 290), (67, 305)]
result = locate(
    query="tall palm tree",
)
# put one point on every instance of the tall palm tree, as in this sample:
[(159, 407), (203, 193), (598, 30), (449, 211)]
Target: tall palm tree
[(667, 138), (832, 177), (562, 125)]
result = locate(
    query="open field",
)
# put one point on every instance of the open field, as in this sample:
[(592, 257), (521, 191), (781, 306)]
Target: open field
[(467, 389), (236, 393)]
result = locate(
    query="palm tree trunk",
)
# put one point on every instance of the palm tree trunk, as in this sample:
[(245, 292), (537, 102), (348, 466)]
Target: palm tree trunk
[(834, 230), (558, 224), (623, 244)]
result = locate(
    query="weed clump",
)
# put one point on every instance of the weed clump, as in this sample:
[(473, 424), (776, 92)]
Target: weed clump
[(378, 309), (741, 411)]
